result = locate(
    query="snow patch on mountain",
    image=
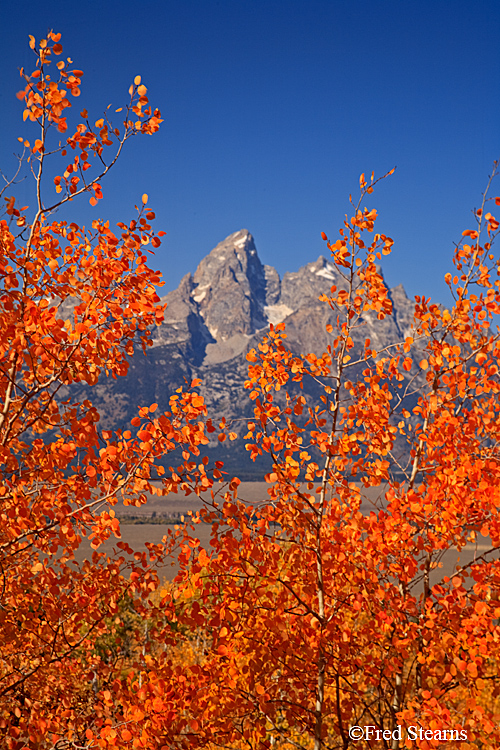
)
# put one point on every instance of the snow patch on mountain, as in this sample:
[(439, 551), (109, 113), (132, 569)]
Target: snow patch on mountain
[(326, 273), (277, 313)]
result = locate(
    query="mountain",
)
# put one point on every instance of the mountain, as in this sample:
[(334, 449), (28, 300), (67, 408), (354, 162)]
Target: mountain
[(228, 304), (218, 314)]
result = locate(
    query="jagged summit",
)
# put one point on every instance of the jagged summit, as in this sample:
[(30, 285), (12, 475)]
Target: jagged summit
[(220, 312), (232, 297), (229, 287), (223, 303), (237, 252)]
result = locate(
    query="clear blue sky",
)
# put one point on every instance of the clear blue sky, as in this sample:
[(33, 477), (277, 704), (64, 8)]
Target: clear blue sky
[(273, 108)]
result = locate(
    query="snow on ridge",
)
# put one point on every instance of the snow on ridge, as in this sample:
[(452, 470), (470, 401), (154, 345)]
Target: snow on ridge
[(200, 292), (276, 313), (326, 273)]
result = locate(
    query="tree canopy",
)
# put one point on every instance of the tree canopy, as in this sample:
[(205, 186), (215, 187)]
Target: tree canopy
[(307, 623)]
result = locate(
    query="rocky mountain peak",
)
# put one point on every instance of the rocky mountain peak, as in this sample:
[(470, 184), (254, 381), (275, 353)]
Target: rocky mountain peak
[(229, 288), (232, 297), (236, 253), (216, 315), (307, 284)]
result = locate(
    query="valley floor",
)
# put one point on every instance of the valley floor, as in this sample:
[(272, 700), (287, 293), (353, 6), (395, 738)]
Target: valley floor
[(175, 507)]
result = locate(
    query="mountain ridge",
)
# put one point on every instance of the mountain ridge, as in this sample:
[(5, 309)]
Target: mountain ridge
[(232, 296), (220, 312)]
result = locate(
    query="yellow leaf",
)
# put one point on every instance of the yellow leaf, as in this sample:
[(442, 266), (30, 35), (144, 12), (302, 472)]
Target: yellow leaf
[(37, 567), (137, 80), (145, 198)]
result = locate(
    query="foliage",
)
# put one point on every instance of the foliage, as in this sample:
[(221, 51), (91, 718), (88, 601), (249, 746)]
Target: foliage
[(73, 304), (307, 616), (318, 617)]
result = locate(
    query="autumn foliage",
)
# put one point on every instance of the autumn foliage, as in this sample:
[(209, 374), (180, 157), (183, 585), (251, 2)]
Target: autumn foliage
[(73, 303), (322, 608)]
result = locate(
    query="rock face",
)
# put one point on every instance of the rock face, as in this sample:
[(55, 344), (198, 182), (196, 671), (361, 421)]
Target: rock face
[(216, 315), (224, 304), (233, 297)]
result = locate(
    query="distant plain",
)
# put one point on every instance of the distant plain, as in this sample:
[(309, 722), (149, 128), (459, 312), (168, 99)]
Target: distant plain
[(177, 507)]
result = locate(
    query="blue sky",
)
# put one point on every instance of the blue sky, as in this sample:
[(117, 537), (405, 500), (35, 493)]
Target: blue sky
[(272, 110)]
